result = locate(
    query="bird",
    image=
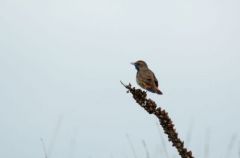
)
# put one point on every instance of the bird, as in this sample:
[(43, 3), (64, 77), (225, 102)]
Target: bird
[(146, 78)]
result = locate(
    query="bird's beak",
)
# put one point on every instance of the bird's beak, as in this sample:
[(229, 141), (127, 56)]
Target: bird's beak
[(133, 63)]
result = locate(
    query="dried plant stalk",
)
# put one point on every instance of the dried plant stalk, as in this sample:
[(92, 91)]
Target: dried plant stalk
[(44, 148), (151, 107), (146, 149)]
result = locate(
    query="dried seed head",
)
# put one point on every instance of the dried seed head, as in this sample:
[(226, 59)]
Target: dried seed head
[(151, 107)]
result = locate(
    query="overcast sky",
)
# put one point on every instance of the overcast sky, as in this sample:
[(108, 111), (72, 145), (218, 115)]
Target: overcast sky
[(61, 63)]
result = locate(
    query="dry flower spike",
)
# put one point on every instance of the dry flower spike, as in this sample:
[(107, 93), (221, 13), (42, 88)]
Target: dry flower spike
[(151, 107)]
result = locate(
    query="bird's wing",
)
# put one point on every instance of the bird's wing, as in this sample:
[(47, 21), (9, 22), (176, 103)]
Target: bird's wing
[(155, 80), (149, 78)]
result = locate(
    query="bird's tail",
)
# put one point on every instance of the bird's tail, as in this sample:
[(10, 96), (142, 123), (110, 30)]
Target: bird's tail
[(158, 91)]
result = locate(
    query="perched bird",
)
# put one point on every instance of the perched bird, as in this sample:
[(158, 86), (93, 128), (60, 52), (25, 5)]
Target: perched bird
[(146, 78)]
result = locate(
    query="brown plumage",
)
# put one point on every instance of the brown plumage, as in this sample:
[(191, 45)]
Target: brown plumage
[(146, 78)]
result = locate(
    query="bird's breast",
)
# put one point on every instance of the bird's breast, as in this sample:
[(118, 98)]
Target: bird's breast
[(140, 80)]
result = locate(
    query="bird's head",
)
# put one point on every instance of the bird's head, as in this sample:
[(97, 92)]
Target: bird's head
[(140, 64)]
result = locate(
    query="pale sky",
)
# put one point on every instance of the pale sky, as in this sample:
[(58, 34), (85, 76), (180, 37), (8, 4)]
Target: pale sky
[(61, 63)]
